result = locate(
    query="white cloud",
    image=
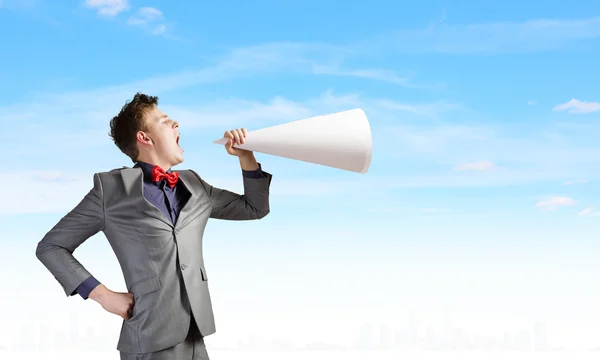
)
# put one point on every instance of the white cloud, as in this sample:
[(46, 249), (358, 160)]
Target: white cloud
[(477, 166), (589, 212), (149, 18), (575, 106), (555, 203), (578, 181), (531, 102), (108, 7), (159, 29), (145, 15)]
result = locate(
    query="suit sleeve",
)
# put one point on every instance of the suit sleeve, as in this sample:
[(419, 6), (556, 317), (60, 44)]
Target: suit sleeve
[(252, 205), (55, 250), (87, 287)]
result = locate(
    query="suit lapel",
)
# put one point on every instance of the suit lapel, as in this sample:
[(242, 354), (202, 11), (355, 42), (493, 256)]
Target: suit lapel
[(187, 210), (134, 187)]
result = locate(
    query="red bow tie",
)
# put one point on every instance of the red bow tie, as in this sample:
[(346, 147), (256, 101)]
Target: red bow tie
[(158, 174)]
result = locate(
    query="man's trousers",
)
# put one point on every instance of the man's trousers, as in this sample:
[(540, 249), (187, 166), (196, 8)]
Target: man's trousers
[(192, 348)]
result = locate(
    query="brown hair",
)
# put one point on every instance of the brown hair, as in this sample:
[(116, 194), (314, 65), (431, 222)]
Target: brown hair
[(125, 126)]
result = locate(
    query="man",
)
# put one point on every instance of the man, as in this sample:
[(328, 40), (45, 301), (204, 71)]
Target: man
[(154, 219)]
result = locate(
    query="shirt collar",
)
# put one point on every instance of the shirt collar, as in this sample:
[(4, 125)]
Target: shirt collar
[(147, 169)]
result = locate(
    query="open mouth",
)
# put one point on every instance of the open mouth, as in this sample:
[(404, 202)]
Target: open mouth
[(177, 142)]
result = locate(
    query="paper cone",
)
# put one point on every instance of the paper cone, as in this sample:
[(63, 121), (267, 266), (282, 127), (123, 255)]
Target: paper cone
[(341, 140)]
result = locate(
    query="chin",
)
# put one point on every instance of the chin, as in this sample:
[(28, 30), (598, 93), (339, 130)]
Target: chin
[(178, 160)]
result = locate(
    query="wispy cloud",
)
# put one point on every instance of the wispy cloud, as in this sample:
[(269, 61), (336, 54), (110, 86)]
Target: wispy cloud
[(531, 152), (532, 102), (578, 181), (108, 7), (555, 203), (431, 109), (489, 38), (475, 166), (315, 59), (149, 18), (92, 105), (92, 110), (280, 109), (378, 75), (413, 133), (434, 144), (575, 106), (590, 211), (230, 112)]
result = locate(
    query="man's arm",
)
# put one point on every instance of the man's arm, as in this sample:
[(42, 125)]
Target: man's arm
[(56, 249), (248, 162), (87, 286), (252, 205), (251, 168)]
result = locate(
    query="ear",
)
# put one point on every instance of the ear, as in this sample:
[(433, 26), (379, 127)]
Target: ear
[(143, 138)]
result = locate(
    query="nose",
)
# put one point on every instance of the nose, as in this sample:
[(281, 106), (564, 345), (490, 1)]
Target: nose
[(175, 124)]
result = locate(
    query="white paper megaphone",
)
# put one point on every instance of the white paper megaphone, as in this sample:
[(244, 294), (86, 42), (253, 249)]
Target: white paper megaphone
[(341, 140)]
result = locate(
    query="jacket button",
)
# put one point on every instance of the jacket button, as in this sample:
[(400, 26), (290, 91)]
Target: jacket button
[(183, 266)]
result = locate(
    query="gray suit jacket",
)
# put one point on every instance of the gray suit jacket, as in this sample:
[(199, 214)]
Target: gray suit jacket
[(162, 264)]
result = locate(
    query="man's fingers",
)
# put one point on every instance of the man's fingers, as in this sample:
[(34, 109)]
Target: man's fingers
[(236, 135), (243, 135)]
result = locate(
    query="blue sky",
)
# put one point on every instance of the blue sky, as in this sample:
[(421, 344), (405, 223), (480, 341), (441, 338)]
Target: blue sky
[(443, 86), (485, 122), (464, 100)]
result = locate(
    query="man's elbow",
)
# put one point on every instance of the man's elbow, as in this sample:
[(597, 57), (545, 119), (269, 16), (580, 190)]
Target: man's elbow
[(261, 213), (43, 248)]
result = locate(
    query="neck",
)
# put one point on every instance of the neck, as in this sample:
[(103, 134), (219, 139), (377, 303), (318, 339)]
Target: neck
[(153, 160)]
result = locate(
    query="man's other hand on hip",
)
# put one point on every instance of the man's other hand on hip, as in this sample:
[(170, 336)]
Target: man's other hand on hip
[(117, 303)]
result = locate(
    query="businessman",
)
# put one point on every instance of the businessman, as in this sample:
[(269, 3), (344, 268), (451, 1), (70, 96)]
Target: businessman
[(154, 220)]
